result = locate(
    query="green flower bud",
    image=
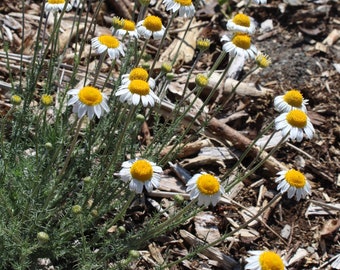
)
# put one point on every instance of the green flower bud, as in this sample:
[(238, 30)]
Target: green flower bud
[(121, 230), (48, 145), (43, 237), (179, 199), (134, 254), (87, 179), (140, 117), (76, 209), (166, 67), (169, 76), (16, 100)]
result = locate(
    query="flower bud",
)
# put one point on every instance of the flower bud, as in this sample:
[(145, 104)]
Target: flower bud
[(179, 199), (76, 209), (134, 254), (140, 117), (166, 67), (169, 76), (46, 100), (43, 237), (203, 44), (201, 80), (16, 100), (48, 145)]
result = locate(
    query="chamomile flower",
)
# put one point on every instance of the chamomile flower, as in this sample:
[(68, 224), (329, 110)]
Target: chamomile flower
[(136, 91), (108, 43), (185, 8), (151, 26), (239, 44), (57, 5), (206, 187), (293, 99), (294, 123), (294, 182), (141, 173), (88, 100), (241, 23), (264, 260), (129, 27), (138, 74)]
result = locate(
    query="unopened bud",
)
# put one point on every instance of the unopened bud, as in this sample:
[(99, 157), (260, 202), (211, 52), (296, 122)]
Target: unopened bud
[(43, 237), (76, 209)]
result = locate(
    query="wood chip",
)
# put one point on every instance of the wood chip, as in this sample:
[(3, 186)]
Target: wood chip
[(206, 227), (300, 254), (155, 253), (227, 262)]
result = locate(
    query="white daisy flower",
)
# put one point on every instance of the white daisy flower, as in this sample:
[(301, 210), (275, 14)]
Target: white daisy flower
[(264, 260), (259, 2), (241, 23), (108, 43), (151, 26), (57, 5), (185, 7), (294, 123), (129, 27), (294, 182), (88, 100), (141, 173), (206, 187), (239, 44), (137, 91), (138, 74), (293, 99)]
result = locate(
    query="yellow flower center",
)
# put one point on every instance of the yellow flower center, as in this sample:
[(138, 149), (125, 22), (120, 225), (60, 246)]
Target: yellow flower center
[(109, 41), (56, 2), (141, 170), (184, 2), (295, 178), (139, 87), (242, 41), (293, 98), (90, 96), (138, 74), (242, 19), (269, 260), (208, 184), (129, 25), (153, 23), (297, 118), (263, 60)]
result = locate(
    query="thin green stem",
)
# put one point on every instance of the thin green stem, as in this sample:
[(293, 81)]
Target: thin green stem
[(161, 44), (73, 145)]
